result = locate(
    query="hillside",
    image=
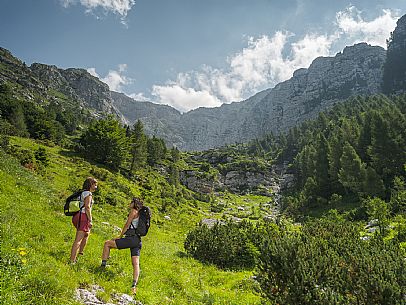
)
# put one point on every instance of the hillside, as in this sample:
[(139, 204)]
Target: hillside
[(36, 238)]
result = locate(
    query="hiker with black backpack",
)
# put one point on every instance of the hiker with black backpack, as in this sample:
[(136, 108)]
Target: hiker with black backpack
[(137, 225), (82, 219)]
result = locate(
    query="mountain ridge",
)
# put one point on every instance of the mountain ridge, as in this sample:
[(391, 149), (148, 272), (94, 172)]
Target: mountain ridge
[(360, 69)]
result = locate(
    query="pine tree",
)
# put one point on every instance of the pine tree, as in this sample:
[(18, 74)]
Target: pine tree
[(385, 152), (138, 142), (373, 184), (175, 154), (334, 155), (322, 167), (104, 141), (156, 150), (352, 172)]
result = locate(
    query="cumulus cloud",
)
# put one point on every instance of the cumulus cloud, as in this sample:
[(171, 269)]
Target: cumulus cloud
[(119, 7), (268, 60), (139, 97), (262, 64), (375, 32), (114, 79), (93, 72), (184, 99)]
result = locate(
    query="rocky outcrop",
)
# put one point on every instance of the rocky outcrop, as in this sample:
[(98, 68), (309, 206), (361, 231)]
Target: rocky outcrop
[(394, 78), (88, 296), (45, 83), (161, 121), (355, 71), (79, 85)]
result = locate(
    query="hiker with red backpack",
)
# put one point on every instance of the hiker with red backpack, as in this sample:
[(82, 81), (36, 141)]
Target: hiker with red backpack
[(82, 219), (137, 225)]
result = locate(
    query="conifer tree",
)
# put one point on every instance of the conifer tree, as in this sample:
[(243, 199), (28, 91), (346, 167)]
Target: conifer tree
[(138, 147), (322, 167), (156, 150), (105, 142), (352, 172), (334, 155), (373, 184), (385, 152)]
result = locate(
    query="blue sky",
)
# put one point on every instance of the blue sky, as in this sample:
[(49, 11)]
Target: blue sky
[(191, 53)]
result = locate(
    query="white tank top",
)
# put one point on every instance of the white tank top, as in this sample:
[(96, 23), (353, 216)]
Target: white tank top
[(134, 223), (82, 200)]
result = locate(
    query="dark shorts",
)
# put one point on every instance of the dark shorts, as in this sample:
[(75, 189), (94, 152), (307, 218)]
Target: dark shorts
[(130, 242)]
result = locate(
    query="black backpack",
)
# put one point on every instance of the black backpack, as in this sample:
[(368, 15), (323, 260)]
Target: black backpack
[(72, 204), (144, 221)]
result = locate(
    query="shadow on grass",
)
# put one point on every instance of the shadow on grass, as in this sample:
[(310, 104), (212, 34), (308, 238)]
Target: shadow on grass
[(182, 254), (104, 273), (59, 255)]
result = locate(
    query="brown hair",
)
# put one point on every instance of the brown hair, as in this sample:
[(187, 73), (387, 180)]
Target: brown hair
[(138, 204), (88, 183)]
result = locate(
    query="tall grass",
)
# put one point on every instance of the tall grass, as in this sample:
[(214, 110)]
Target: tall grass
[(36, 239)]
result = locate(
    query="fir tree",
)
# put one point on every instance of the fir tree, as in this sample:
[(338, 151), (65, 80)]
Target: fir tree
[(373, 184), (322, 167), (352, 172), (138, 142)]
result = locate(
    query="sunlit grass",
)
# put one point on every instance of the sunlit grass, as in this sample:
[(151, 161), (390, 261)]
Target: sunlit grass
[(37, 237)]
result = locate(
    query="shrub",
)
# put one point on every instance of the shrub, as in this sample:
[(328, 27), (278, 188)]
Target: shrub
[(327, 263), (227, 245)]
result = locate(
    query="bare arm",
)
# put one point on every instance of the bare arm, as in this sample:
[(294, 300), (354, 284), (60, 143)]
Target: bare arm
[(88, 211), (130, 218)]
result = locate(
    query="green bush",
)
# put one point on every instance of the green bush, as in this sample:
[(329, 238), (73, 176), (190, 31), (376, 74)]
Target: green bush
[(328, 263), (230, 245)]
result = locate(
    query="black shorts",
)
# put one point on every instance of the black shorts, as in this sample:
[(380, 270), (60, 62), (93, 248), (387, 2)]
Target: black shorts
[(130, 242)]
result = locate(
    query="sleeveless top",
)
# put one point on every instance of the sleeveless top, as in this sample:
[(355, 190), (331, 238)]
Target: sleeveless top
[(134, 223), (82, 201)]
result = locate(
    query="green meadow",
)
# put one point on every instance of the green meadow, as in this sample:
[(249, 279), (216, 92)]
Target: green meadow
[(36, 237)]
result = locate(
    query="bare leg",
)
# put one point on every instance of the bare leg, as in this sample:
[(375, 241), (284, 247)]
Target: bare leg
[(109, 244), (84, 242), (136, 266), (76, 244)]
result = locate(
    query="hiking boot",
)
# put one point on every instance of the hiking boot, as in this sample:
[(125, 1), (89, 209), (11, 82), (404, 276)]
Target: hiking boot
[(134, 289)]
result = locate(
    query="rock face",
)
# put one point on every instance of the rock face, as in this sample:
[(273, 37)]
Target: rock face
[(394, 78), (357, 70), (49, 81)]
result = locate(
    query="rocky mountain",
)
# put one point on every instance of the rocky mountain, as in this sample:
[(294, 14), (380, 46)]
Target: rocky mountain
[(355, 71), (361, 69), (394, 78), (45, 83)]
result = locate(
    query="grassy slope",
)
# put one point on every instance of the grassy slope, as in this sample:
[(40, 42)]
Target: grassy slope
[(36, 241)]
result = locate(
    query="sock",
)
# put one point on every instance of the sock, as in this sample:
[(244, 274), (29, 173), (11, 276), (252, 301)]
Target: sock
[(134, 284), (104, 262)]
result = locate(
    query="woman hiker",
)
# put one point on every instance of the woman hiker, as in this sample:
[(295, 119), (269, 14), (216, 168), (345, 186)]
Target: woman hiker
[(83, 219), (130, 241)]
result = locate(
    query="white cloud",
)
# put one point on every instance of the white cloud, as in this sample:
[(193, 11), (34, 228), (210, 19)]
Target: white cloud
[(258, 66), (267, 61), (114, 79), (184, 99), (120, 7), (93, 72), (139, 97), (375, 32)]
